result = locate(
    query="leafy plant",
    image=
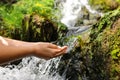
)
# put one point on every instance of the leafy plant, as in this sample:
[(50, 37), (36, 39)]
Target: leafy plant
[(11, 15), (18, 10)]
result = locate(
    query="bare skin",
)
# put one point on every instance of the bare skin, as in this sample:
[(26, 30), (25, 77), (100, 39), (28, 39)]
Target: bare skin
[(14, 49)]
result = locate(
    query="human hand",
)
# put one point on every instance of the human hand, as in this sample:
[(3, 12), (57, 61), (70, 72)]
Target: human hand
[(48, 50)]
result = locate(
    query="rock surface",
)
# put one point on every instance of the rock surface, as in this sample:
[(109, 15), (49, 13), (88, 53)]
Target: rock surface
[(38, 28), (99, 57)]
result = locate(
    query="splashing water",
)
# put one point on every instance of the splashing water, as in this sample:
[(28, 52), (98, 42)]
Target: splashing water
[(31, 68)]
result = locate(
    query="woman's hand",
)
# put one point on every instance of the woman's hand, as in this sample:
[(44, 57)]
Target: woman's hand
[(14, 49), (48, 50)]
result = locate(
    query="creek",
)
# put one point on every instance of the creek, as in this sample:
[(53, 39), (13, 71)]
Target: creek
[(32, 68)]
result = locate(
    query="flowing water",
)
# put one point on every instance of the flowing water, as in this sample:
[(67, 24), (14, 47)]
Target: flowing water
[(32, 68), (72, 11)]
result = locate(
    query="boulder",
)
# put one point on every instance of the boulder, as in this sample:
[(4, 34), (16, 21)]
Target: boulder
[(97, 58), (38, 28)]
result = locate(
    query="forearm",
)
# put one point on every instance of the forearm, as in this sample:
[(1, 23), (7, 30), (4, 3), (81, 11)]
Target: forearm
[(9, 53), (13, 50), (13, 42)]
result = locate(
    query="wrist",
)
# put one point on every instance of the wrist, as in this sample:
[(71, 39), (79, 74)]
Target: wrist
[(31, 49)]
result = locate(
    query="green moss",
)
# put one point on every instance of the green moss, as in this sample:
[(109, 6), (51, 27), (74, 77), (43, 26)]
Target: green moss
[(104, 23), (11, 15), (105, 5), (106, 46), (38, 28), (101, 55)]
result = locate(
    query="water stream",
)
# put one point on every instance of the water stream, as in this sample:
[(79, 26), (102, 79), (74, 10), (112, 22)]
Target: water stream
[(32, 68), (72, 11)]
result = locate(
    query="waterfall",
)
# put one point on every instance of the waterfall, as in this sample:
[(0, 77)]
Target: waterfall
[(77, 11), (32, 68), (72, 11)]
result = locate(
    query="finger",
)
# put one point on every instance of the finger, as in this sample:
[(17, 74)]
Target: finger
[(63, 51), (59, 54), (53, 46), (64, 48)]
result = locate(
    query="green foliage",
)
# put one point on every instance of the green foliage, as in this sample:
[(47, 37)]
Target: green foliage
[(16, 12), (38, 28), (101, 55), (114, 53), (104, 23), (105, 41), (62, 29), (11, 16)]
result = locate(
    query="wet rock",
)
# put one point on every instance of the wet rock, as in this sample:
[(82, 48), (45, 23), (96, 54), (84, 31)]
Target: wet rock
[(89, 22), (105, 5), (38, 28), (99, 57), (87, 17)]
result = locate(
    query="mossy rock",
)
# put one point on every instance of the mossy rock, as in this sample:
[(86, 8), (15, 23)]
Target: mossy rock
[(98, 59), (38, 28), (34, 27), (105, 47), (105, 5)]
